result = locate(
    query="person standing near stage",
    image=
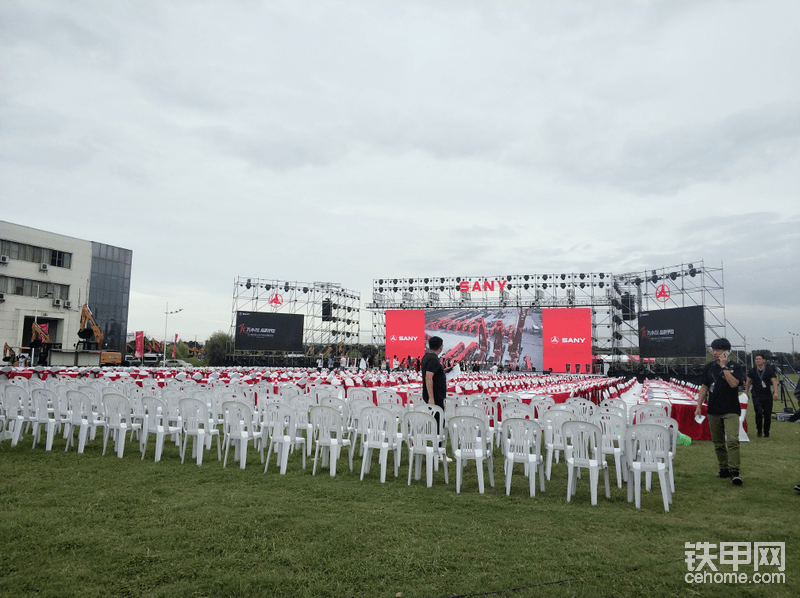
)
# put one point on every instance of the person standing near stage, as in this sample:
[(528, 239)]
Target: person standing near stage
[(720, 384), (434, 382), (762, 387)]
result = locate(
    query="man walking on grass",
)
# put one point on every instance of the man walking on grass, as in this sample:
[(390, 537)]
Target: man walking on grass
[(721, 381)]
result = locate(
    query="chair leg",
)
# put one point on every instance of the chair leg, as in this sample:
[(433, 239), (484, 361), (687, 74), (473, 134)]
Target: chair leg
[(479, 466), (509, 467)]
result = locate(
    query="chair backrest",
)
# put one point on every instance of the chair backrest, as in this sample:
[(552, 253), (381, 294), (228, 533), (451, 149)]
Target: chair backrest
[(615, 410), (471, 411), (568, 407), (289, 390), (665, 404), (467, 435), (238, 417), (521, 437), (80, 406), (117, 409), (375, 424), (553, 421), (517, 410), (386, 395), (42, 400), (612, 426), (327, 423), (583, 408), (194, 413), (582, 441), (337, 404), (155, 413), (325, 390), (359, 394), (640, 412), (647, 444), (450, 404), (419, 431), (669, 423)]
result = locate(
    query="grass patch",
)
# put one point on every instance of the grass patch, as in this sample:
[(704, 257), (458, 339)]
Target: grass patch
[(88, 525)]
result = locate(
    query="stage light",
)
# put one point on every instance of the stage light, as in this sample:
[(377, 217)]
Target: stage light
[(563, 285), (441, 288), (509, 286), (526, 277), (618, 336), (395, 281), (544, 285), (583, 275), (508, 278), (692, 271), (601, 284), (395, 289), (602, 275), (673, 275), (426, 287), (638, 281), (411, 289), (654, 279), (617, 320), (526, 285), (458, 279), (305, 289), (583, 284), (380, 289), (544, 276), (248, 285)]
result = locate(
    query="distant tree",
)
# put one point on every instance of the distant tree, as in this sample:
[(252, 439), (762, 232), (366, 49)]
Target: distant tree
[(215, 348)]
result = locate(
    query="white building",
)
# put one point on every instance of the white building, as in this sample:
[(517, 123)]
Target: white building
[(47, 277)]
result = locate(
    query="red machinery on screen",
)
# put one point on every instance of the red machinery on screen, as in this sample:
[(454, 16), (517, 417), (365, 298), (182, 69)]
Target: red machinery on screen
[(524, 338)]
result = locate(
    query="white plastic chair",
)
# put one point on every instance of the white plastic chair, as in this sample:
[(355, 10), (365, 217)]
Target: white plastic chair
[(522, 443), (469, 440), (239, 428), (81, 416), (302, 405), (553, 439), (45, 402), (156, 421), (329, 436), (197, 424), (117, 416), (518, 410), (583, 443), (377, 429), (423, 440), (661, 403), (672, 425), (280, 426), (386, 395), (583, 409), (646, 445), (613, 427), (638, 413)]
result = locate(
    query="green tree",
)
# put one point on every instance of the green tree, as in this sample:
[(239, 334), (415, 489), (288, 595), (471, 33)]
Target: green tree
[(216, 346)]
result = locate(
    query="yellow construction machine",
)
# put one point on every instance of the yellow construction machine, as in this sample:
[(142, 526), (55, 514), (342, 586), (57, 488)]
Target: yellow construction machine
[(89, 329)]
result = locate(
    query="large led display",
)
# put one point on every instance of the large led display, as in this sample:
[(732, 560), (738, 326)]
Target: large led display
[(567, 334), (258, 331), (405, 333), (678, 332)]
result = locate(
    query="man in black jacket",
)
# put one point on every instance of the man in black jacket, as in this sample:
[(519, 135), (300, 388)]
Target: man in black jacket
[(762, 386)]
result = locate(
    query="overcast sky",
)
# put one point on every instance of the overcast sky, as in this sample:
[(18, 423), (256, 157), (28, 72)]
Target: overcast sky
[(347, 141)]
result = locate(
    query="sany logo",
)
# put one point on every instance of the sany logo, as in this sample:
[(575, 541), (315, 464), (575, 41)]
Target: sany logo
[(393, 338), (275, 300), (567, 339), (408, 338), (488, 285)]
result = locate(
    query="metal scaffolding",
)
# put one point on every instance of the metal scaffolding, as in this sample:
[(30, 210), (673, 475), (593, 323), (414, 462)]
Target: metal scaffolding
[(615, 299), (331, 312)]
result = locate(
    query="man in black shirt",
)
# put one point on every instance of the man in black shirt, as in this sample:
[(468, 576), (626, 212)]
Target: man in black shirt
[(721, 381), (434, 382), (762, 386)]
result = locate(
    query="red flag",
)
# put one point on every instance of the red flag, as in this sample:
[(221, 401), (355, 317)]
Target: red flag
[(139, 345), (174, 344)]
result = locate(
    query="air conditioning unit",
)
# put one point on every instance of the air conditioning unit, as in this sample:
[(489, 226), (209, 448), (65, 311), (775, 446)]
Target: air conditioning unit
[(44, 267), (4, 259), (2, 297), (56, 302), (67, 304)]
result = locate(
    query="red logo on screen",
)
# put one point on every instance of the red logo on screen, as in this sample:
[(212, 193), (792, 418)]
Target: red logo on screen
[(393, 338), (275, 300), (554, 339), (662, 293)]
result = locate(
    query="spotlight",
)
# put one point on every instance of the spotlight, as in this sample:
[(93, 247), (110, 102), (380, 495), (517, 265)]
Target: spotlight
[(601, 284), (380, 281), (305, 289), (638, 281), (248, 285), (602, 275), (527, 286), (583, 284), (563, 284), (692, 271), (673, 275), (544, 276), (526, 277), (654, 278), (544, 285)]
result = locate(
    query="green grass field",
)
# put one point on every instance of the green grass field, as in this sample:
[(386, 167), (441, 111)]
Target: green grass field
[(88, 525)]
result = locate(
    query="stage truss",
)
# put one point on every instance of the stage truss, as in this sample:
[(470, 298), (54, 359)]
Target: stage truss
[(339, 328), (615, 299)]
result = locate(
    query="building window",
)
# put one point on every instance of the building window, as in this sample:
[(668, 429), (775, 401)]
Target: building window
[(28, 288), (37, 255)]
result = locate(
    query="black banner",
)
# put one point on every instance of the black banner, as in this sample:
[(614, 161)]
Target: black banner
[(676, 332), (257, 331)]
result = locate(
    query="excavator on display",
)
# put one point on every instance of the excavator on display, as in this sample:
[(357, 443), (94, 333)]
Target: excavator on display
[(9, 356), (90, 330), (38, 336)]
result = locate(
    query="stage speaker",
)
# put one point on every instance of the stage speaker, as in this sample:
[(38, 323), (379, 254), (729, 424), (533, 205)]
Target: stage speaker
[(628, 307), (326, 310)]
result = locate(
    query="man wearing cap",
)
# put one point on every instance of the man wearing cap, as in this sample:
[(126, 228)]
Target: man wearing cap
[(762, 385), (720, 384)]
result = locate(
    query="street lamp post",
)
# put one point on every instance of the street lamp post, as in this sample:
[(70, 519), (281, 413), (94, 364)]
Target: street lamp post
[(167, 314)]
